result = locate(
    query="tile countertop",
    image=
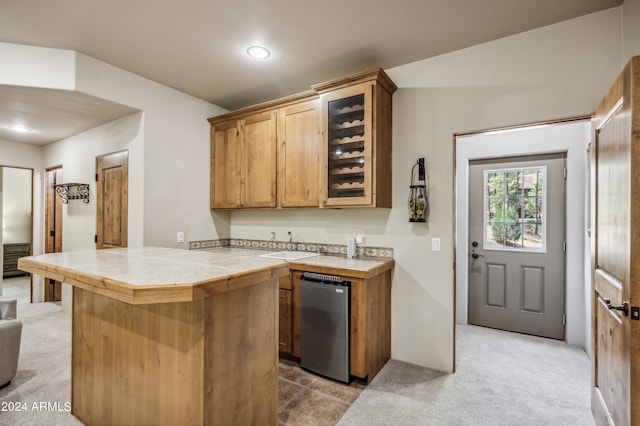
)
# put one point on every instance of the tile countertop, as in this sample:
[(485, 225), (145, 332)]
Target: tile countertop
[(322, 264), (154, 274)]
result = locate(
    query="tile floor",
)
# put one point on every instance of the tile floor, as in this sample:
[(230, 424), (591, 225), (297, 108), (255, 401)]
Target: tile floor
[(303, 398), (308, 399)]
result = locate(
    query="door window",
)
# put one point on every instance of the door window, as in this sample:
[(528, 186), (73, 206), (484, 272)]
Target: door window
[(515, 209)]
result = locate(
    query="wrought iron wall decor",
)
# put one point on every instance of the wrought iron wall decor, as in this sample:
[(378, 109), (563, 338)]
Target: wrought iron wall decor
[(73, 191), (418, 198)]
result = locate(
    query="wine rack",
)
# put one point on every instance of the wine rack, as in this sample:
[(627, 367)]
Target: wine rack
[(346, 147)]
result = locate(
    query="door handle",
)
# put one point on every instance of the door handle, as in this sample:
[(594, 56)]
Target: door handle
[(474, 254), (624, 307)]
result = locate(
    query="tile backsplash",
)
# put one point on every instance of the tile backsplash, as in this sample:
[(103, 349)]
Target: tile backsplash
[(325, 249)]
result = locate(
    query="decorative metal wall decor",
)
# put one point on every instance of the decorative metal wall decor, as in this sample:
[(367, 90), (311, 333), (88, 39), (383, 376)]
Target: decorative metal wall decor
[(73, 191), (418, 201)]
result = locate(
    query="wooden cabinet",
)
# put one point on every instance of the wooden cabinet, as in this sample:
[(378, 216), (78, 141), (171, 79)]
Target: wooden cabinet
[(225, 165), (285, 323), (370, 320), (243, 162), (11, 253), (299, 154), (329, 147), (356, 157), (370, 337)]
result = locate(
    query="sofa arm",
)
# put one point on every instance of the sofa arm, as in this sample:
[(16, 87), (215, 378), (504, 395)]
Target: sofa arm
[(8, 309), (10, 334)]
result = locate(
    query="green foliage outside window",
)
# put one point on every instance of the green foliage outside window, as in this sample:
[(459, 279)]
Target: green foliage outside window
[(515, 211)]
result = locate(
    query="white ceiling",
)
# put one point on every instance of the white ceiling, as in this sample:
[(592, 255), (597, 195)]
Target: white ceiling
[(198, 46), (52, 115)]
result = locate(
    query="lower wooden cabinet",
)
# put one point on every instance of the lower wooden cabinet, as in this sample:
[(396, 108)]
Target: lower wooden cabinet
[(370, 338), (285, 324), (370, 326)]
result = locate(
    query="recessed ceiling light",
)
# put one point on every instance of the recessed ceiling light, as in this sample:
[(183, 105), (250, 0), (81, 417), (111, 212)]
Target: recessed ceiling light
[(258, 52), (20, 128)]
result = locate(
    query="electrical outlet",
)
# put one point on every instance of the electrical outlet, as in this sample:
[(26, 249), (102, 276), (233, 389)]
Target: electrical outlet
[(181, 237), (360, 239), (435, 244)]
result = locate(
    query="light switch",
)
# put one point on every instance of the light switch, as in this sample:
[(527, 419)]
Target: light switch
[(435, 244), (181, 237)]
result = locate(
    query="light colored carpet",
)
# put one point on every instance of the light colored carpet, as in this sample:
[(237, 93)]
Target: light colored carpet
[(40, 394), (18, 288), (501, 379)]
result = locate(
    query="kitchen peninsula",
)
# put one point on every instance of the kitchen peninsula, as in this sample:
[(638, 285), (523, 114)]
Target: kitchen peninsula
[(168, 336)]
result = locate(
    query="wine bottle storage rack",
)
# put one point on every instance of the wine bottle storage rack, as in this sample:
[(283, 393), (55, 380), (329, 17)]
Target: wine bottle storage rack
[(346, 147)]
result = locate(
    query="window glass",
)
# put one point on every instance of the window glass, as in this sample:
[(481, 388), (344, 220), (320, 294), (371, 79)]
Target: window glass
[(514, 209)]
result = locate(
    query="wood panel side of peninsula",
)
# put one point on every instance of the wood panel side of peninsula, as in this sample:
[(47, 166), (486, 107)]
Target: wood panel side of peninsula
[(209, 360)]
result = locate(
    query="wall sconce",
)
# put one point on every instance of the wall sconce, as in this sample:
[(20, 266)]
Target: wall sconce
[(418, 201)]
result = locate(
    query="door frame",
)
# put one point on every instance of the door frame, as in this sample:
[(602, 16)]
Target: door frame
[(476, 145), (57, 207)]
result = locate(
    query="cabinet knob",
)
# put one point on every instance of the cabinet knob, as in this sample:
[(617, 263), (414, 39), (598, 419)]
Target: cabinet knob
[(324, 201), (281, 204)]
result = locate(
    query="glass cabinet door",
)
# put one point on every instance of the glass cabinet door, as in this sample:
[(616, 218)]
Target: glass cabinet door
[(347, 120)]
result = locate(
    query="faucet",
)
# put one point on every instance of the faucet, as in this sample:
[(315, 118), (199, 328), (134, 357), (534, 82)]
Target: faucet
[(290, 240)]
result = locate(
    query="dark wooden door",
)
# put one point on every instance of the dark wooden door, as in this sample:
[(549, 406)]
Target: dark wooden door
[(615, 250), (53, 229), (112, 192)]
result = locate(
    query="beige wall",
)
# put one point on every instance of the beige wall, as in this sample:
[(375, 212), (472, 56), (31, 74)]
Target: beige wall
[(631, 29), (540, 75), (77, 155), (171, 183), (168, 161), (168, 143)]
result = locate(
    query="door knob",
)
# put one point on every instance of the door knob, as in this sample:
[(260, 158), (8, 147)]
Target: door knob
[(624, 307), (475, 255)]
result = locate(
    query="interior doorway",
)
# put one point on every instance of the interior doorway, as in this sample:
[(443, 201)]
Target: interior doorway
[(570, 136), (16, 239), (53, 229)]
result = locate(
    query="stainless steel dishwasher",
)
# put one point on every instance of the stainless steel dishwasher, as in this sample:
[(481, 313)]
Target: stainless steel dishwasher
[(324, 328)]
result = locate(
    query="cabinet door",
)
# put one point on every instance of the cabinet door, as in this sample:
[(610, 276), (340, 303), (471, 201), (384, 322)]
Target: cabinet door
[(298, 154), (295, 311), (358, 343), (348, 157), (225, 166), (258, 134), (284, 321)]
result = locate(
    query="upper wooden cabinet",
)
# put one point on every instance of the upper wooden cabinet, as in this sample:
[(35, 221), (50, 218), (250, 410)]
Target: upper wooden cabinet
[(329, 147), (356, 155), (225, 165), (243, 162), (258, 184), (299, 154)]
